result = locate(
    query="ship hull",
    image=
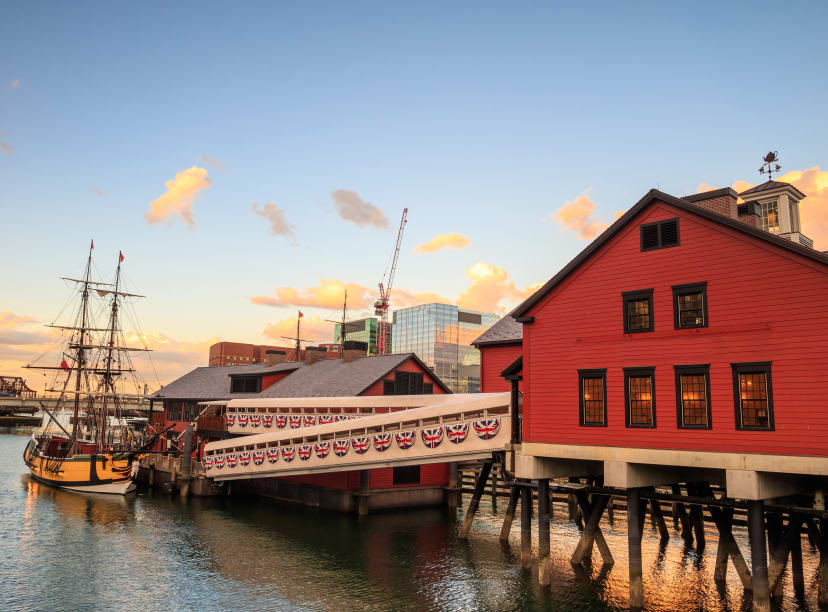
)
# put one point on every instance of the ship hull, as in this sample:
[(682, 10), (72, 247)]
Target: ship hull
[(104, 473)]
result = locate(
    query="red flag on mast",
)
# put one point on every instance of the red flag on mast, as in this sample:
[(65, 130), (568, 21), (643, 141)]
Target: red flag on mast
[(300, 314), (121, 256), (64, 365), (92, 246)]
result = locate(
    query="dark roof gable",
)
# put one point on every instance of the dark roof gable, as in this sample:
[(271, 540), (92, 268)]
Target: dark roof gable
[(651, 196), (768, 185), (505, 331)]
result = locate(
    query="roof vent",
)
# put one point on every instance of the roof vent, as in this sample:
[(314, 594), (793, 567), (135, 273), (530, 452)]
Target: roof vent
[(660, 235)]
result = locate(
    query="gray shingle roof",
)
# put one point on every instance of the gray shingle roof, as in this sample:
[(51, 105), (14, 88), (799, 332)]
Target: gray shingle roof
[(505, 330), (325, 378), (768, 185)]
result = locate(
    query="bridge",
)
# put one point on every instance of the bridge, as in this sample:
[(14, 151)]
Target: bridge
[(355, 435)]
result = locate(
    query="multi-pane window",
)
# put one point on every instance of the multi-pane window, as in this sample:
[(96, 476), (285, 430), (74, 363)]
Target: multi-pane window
[(593, 397), (693, 396), (753, 395), (690, 305), (638, 311), (770, 216), (639, 391)]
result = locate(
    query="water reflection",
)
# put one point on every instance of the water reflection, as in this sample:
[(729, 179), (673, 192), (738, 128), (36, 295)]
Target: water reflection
[(65, 550)]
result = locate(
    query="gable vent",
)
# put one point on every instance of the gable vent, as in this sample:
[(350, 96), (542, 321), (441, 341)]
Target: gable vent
[(660, 235)]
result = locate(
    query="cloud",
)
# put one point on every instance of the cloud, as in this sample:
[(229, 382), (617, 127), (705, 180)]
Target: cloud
[(182, 192), (403, 298), (353, 208), (97, 191), (15, 84), (579, 217), (9, 320), (4, 146), (491, 289), (813, 210), (278, 224), (313, 328), (443, 241), (217, 163), (328, 294)]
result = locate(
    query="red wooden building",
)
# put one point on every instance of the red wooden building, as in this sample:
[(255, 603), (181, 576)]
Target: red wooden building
[(316, 376)]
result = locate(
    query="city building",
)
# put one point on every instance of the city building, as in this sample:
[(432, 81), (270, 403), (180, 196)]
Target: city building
[(240, 353), (362, 330), (442, 335)]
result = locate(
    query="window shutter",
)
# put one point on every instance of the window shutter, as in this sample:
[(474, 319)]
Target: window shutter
[(669, 233), (649, 237), (388, 387)]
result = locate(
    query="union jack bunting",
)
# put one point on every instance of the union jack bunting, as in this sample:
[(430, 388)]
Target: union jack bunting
[(457, 432), (432, 436), (219, 461), (272, 455), (360, 444), (295, 421), (244, 457), (340, 447), (309, 420), (342, 417), (322, 449), (208, 462), (231, 460), (305, 452), (405, 439), (255, 420), (281, 421), (382, 441), (324, 419), (231, 418), (487, 429), (258, 457), (242, 420), (288, 453), (267, 420)]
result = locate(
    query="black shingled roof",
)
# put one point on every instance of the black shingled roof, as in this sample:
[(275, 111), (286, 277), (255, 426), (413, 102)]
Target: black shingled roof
[(505, 331), (768, 185), (650, 196)]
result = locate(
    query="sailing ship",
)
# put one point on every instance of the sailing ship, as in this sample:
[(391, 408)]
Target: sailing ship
[(86, 443)]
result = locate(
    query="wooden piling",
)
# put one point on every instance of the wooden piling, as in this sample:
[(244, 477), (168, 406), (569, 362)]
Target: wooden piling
[(510, 514), (474, 502), (544, 577), (684, 520), (797, 571), (592, 532), (822, 570), (453, 484), (758, 555), (658, 517), (494, 491), (364, 492), (526, 527), (634, 533)]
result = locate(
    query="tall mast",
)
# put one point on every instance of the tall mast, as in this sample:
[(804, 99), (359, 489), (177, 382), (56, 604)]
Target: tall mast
[(79, 355), (113, 325)]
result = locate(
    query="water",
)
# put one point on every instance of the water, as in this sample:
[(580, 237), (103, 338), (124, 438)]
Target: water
[(69, 551)]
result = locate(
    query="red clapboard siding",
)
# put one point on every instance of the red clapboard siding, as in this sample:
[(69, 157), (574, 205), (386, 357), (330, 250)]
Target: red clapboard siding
[(407, 366), (764, 303), (493, 360), (430, 475)]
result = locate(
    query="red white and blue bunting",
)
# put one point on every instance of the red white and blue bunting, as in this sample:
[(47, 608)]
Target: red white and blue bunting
[(267, 420), (281, 421), (382, 441), (272, 455), (208, 462), (341, 447), (405, 439), (295, 421), (309, 420), (322, 449), (242, 418), (457, 432), (486, 429), (258, 457), (304, 452), (244, 457), (219, 461), (360, 444), (231, 460), (325, 419), (288, 453), (231, 418), (432, 436), (255, 419)]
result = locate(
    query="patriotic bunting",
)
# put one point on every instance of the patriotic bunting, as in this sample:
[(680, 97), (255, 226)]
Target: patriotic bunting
[(208, 462), (487, 429), (219, 461), (231, 460), (231, 418), (281, 421), (342, 417), (267, 420), (244, 458), (288, 453), (341, 447), (242, 418), (272, 455), (304, 452), (295, 421), (255, 420), (324, 419), (457, 432), (405, 439), (309, 420), (360, 444), (322, 449), (258, 457), (382, 441), (432, 436)]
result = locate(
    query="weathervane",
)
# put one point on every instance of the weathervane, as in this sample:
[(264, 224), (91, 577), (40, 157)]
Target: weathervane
[(770, 166)]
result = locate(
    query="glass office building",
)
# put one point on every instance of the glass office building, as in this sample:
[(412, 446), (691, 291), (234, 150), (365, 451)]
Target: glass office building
[(361, 330), (441, 335)]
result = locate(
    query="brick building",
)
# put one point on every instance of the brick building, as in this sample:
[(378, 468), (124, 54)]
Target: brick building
[(240, 353)]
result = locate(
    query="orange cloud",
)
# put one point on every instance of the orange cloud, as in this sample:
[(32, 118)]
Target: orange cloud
[(443, 241), (813, 210), (328, 294), (353, 208), (402, 298), (10, 320), (276, 216), (182, 192), (313, 328), (217, 163), (4, 146), (579, 217), (15, 84), (491, 289)]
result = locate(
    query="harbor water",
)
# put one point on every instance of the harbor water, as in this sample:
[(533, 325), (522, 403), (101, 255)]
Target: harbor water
[(61, 550)]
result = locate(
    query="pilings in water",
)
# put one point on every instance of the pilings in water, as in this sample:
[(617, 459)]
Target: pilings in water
[(474, 503)]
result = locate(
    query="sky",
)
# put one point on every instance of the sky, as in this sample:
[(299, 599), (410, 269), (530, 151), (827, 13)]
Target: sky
[(252, 159)]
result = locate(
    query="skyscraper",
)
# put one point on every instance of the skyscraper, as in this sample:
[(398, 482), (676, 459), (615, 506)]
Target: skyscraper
[(441, 335), (361, 330)]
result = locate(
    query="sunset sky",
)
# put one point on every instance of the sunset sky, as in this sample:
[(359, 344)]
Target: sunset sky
[(250, 158)]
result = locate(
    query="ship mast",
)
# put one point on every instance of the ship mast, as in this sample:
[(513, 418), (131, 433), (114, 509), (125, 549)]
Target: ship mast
[(109, 386), (79, 355)]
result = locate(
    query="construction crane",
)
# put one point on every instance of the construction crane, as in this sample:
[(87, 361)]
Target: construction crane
[(382, 304)]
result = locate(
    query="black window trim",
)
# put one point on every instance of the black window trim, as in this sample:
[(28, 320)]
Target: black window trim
[(629, 296), (591, 373), (639, 371), (245, 379), (659, 224), (684, 290), (692, 370), (752, 367)]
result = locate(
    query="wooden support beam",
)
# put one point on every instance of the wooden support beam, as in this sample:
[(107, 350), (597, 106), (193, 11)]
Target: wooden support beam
[(797, 571), (634, 533), (453, 484), (822, 570), (474, 502), (544, 577), (684, 520), (784, 543), (364, 492), (510, 514), (697, 519), (758, 555), (526, 527), (494, 491), (658, 517), (592, 531)]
